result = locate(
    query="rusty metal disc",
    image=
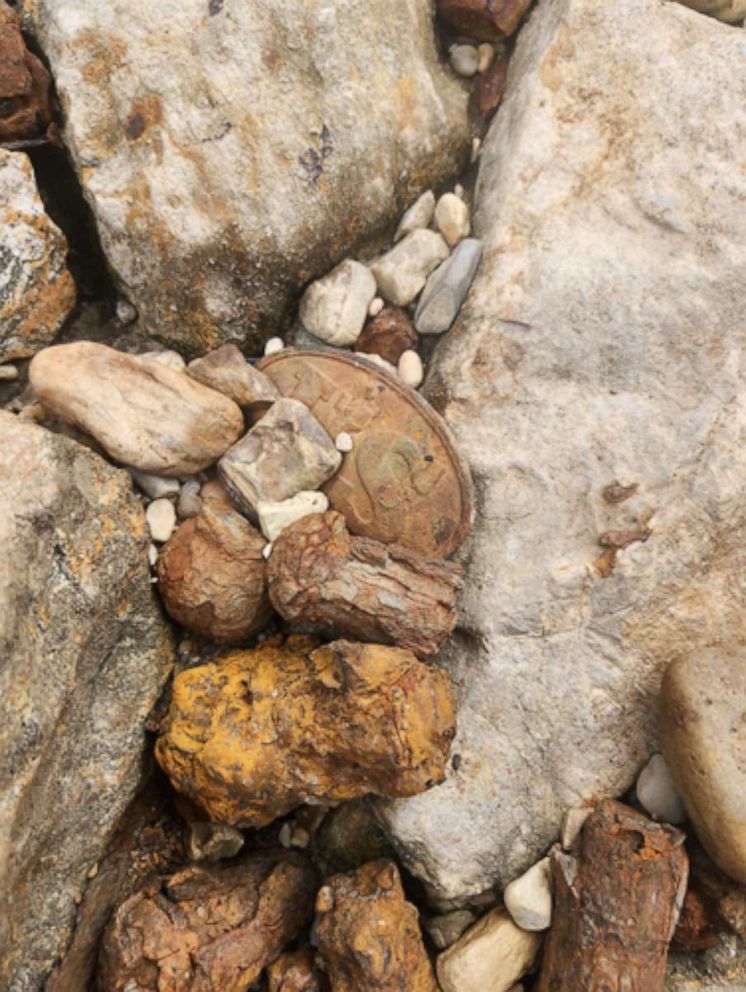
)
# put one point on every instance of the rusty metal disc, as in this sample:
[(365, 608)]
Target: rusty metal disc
[(403, 481)]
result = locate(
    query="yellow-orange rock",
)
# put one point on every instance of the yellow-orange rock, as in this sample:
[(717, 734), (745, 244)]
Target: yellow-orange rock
[(207, 929), (295, 972), (254, 734), (369, 935), (211, 573)]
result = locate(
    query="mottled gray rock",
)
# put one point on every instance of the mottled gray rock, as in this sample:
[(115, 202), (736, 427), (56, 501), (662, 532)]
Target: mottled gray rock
[(84, 654), (446, 929), (402, 271), (143, 413), (595, 384), (233, 151), (447, 287), (37, 291), (286, 452), (464, 60), (227, 371), (720, 969), (334, 307)]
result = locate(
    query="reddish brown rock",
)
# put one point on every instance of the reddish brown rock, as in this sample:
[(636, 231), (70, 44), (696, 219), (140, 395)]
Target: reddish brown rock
[(25, 107), (254, 734), (488, 89), (211, 574), (207, 929), (617, 903), (369, 935), (327, 580), (295, 972), (389, 334), (485, 20), (714, 904)]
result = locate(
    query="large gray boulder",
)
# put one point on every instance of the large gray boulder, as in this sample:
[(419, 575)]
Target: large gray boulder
[(233, 150), (596, 383), (84, 653)]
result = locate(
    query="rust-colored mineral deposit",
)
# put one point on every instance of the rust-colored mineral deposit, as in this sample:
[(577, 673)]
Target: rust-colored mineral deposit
[(617, 903), (211, 574), (322, 577), (25, 107), (254, 734), (207, 929), (294, 971), (369, 935), (485, 20)]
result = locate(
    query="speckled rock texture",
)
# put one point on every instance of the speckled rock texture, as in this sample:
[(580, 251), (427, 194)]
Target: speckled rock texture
[(232, 151), (37, 291), (84, 654), (256, 733), (595, 384)]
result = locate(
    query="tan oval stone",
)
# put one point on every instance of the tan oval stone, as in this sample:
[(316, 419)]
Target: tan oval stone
[(141, 412), (703, 736)]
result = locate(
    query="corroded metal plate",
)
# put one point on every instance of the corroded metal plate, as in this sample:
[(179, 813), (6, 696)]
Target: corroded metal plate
[(403, 480)]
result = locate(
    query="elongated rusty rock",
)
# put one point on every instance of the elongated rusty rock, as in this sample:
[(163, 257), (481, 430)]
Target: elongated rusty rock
[(617, 901), (25, 86), (369, 935), (252, 735), (321, 576), (207, 929)]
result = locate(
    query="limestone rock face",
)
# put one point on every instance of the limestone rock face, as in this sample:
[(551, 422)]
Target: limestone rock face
[(239, 150), (369, 935), (594, 382), (207, 929), (255, 734), (37, 291), (84, 654), (143, 413), (211, 573)]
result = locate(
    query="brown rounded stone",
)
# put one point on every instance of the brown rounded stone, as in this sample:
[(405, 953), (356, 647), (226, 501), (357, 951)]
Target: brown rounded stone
[(211, 573), (484, 20), (403, 481), (388, 335), (369, 935)]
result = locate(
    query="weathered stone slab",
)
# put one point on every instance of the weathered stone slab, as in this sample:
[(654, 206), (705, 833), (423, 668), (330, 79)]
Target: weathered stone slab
[(595, 383)]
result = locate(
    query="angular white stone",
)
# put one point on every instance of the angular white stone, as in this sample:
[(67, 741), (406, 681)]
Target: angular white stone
[(603, 341), (657, 793), (452, 218), (490, 957), (447, 287), (528, 899), (161, 519), (273, 346), (334, 308), (232, 151), (401, 272), (572, 824), (419, 215), (410, 368), (274, 517), (155, 486)]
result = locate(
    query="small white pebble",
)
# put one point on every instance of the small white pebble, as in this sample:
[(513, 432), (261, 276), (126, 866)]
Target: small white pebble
[(8, 373), (476, 149), (343, 442), (92, 871), (152, 555), (161, 518), (410, 369), (300, 838), (528, 899), (452, 218), (458, 190), (376, 305), (486, 55), (575, 817), (377, 360), (464, 60), (126, 312), (657, 792), (267, 551), (273, 346), (286, 835)]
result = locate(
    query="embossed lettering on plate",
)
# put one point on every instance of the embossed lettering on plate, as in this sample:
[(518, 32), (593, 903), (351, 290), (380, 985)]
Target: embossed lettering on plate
[(403, 480)]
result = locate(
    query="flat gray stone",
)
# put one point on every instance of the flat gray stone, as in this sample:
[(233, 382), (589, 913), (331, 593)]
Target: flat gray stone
[(447, 287)]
